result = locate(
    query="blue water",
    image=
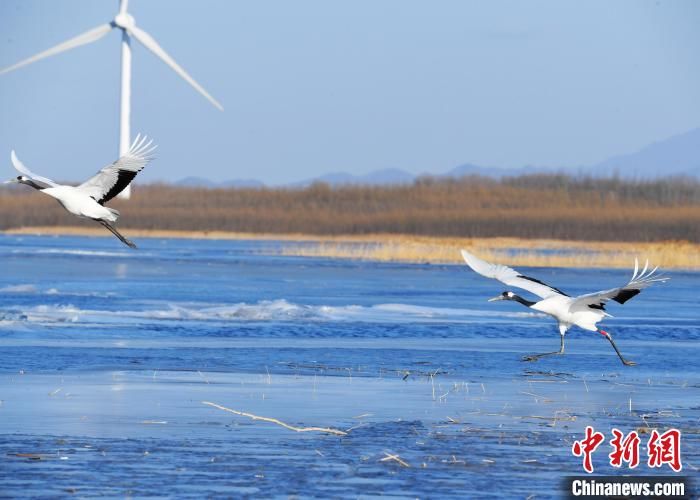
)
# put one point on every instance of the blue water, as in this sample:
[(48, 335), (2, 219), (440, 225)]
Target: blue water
[(141, 336)]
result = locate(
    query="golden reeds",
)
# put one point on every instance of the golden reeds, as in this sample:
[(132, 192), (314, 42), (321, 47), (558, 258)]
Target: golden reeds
[(537, 220), (510, 251), (438, 250), (543, 207)]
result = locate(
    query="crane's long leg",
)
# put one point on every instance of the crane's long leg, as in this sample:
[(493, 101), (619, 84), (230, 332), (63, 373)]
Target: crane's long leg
[(116, 233), (535, 357), (609, 337)]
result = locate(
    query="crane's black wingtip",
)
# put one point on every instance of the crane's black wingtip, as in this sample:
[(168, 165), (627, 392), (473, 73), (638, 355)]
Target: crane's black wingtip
[(625, 294)]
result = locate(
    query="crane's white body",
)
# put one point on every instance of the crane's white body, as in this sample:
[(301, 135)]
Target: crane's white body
[(560, 308), (80, 204), (126, 23)]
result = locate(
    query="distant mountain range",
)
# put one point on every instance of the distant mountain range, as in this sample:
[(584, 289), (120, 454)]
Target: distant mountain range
[(377, 177), (676, 156)]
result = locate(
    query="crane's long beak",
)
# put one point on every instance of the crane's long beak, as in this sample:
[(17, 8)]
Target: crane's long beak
[(11, 181), (497, 297)]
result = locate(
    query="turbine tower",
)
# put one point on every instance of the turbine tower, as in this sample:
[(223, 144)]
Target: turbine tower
[(125, 22)]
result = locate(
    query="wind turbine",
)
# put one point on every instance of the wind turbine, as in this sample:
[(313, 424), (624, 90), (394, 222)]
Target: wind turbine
[(125, 22)]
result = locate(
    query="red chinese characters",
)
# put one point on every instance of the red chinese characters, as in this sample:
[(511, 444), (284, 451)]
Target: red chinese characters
[(624, 450), (662, 449), (587, 446), (665, 449)]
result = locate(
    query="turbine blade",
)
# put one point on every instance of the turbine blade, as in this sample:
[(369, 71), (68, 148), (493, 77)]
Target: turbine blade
[(148, 41), (82, 39)]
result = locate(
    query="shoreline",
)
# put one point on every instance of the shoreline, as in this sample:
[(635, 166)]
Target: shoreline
[(432, 249)]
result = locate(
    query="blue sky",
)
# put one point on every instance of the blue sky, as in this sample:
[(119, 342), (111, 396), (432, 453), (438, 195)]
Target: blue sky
[(311, 87)]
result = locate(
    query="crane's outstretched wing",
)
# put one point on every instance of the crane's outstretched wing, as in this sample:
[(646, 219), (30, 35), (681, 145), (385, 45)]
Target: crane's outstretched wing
[(510, 276), (111, 180), (622, 294), (19, 166)]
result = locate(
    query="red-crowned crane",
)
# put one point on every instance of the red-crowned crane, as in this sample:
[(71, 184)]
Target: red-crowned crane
[(87, 200), (583, 311)]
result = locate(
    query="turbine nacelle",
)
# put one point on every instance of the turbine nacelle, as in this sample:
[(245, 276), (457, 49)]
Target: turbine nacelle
[(125, 21)]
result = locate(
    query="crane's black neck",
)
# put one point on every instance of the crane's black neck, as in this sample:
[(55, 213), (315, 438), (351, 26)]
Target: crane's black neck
[(30, 182), (523, 301)]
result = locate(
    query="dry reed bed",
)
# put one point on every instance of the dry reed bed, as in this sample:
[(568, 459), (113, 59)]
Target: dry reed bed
[(548, 220), (511, 251), (422, 249), (542, 207)]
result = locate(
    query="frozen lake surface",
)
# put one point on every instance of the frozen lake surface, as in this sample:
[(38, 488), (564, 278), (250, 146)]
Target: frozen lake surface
[(106, 355)]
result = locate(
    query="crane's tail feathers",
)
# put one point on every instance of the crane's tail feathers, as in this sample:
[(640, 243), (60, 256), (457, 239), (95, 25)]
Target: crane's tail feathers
[(646, 266), (114, 212), (645, 277), (142, 148)]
